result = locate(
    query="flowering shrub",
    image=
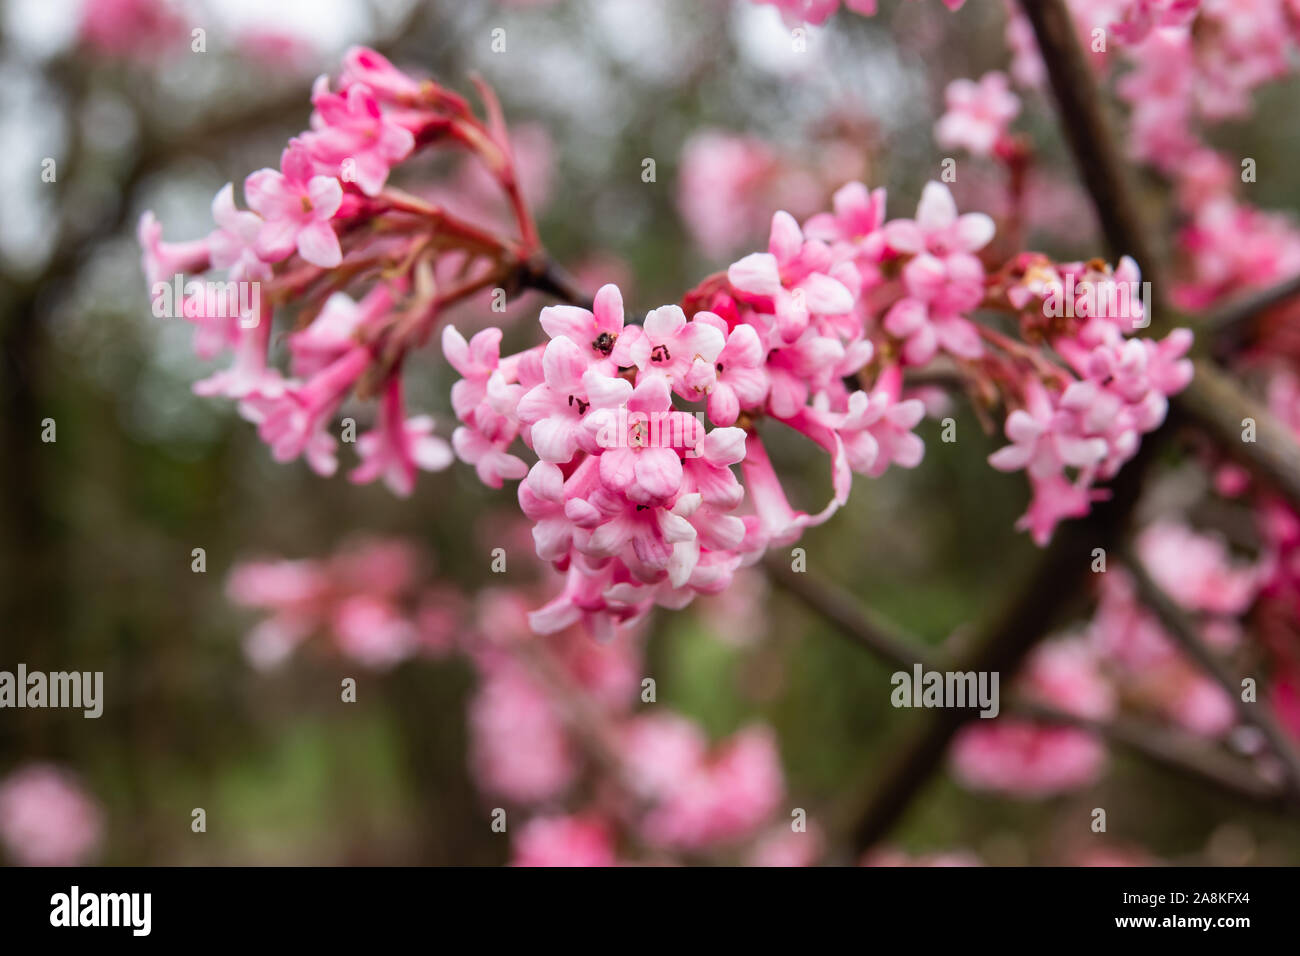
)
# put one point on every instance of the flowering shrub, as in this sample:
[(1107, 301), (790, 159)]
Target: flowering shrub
[(632, 497), (638, 437)]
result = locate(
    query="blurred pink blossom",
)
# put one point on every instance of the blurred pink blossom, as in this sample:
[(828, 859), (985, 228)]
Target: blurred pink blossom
[(47, 818), (564, 841)]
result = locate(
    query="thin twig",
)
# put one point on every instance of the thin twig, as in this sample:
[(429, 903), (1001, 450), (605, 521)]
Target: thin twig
[(1178, 752), (1184, 632), (851, 618), (1227, 330), (1215, 403), (1003, 642), (547, 276)]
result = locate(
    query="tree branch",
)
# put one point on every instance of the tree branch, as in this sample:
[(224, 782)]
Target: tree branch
[(1177, 752), (1100, 165), (854, 621), (1226, 330), (1183, 630), (1215, 404)]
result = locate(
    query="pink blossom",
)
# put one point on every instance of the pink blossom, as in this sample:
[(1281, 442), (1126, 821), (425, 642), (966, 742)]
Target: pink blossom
[(162, 261), (233, 243), (877, 429), (708, 470), (856, 220), (493, 464), (1140, 17), (1196, 569), (1040, 443), (249, 378), (640, 443), (293, 424), (800, 370), (277, 584), (937, 228), (373, 632), (47, 818), (564, 841), (1147, 662), (297, 206), (399, 446), (366, 67), (702, 796), (644, 537), (1026, 760), (794, 275), (722, 182), (487, 403), (351, 133), (518, 748), (681, 352), (1066, 673), (1233, 246), (130, 29), (597, 332), (1055, 499), (555, 408), (978, 114), (364, 600), (583, 600), (740, 382), (333, 332)]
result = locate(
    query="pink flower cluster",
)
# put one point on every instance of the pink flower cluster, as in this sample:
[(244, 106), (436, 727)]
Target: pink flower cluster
[(1027, 759), (129, 29), (1138, 18), (817, 12), (1189, 65), (978, 114), (47, 818), (365, 603), (1078, 426), (323, 225), (663, 786), (636, 500), (1184, 66), (553, 721), (633, 497)]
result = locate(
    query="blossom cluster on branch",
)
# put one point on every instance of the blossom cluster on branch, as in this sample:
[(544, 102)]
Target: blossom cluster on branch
[(636, 428)]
